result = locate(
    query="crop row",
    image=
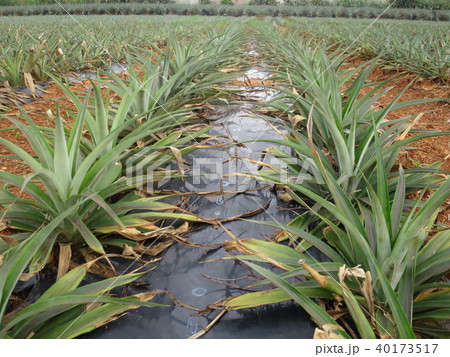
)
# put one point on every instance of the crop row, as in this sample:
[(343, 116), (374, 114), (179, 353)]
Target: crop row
[(87, 172), (30, 49), (384, 270), (420, 47)]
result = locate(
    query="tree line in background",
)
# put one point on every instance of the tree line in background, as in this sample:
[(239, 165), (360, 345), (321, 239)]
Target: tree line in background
[(226, 10), (424, 4)]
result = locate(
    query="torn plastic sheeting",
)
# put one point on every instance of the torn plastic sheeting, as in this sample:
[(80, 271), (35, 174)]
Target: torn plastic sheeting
[(82, 76), (116, 68), (254, 73), (251, 51), (40, 87), (22, 95)]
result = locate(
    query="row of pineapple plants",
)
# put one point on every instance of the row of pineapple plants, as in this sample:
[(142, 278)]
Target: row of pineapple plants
[(383, 275), (226, 10), (426, 4), (419, 47), (82, 192), (31, 52)]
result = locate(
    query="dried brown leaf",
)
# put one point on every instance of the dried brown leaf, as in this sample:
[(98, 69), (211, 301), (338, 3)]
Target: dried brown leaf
[(127, 250), (94, 266), (278, 235), (173, 298), (65, 254), (356, 272), (410, 126), (193, 245), (327, 332), (27, 276), (367, 291), (11, 241), (179, 159), (296, 119), (154, 250), (29, 83), (314, 274), (184, 228), (207, 328), (285, 197)]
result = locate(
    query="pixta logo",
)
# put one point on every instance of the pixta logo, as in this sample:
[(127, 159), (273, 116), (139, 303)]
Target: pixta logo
[(349, 350), (150, 167), (155, 168)]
